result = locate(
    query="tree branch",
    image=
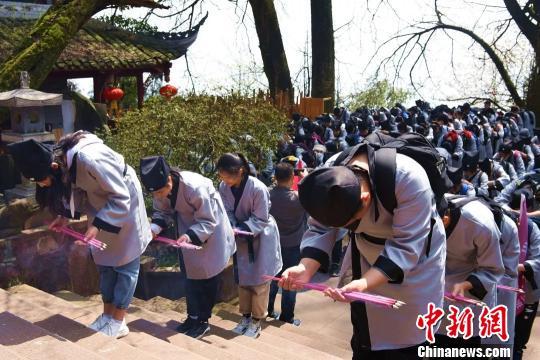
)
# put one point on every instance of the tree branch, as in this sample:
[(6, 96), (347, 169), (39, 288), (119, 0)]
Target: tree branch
[(528, 29)]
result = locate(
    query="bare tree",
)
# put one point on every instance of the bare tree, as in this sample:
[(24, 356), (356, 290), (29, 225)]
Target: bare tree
[(322, 49), (413, 42), (273, 54)]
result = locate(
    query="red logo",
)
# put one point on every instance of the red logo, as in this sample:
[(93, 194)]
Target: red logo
[(429, 320), (494, 322), (460, 323)]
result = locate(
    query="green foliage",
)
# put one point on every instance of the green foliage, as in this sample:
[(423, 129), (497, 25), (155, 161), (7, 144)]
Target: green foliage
[(194, 131), (129, 24), (381, 93)]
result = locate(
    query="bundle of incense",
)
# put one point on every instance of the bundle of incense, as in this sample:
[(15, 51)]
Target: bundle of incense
[(509, 288), (241, 232), (92, 242), (175, 244), (354, 296), (463, 299)]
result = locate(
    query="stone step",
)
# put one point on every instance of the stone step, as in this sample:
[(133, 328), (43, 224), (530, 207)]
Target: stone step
[(57, 323), (32, 342), (215, 338), (5, 353), (308, 328), (162, 327), (281, 346), (138, 339), (298, 335)]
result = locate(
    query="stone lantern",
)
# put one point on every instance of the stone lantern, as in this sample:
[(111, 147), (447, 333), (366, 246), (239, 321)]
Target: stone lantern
[(28, 112)]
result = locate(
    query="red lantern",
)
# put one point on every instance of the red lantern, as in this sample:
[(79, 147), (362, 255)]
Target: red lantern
[(111, 93), (168, 91)]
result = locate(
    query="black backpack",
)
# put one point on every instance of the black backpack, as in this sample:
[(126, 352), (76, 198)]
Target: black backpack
[(456, 202), (382, 150)]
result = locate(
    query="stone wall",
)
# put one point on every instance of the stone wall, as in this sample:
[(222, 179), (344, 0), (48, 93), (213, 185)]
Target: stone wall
[(48, 260), (52, 262)]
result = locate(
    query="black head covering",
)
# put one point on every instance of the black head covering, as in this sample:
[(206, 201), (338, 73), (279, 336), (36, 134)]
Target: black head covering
[(470, 159), (515, 202), (505, 148), (33, 158), (330, 195), (154, 172)]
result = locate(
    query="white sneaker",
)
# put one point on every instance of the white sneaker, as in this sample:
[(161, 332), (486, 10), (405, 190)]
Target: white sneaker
[(115, 329), (100, 322), (253, 329), (242, 326)]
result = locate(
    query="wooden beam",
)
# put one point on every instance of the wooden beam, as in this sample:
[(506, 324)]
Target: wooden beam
[(140, 90)]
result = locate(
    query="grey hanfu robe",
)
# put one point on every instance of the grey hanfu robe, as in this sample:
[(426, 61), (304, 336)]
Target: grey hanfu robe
[(413, 264), (201, 215), (509, 245), (252, 212), (473, 254), (108, 191), (532, 265)]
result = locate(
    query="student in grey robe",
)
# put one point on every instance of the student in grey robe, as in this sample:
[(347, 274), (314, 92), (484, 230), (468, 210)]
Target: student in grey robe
[(247, 202), (525, 149), (497, 177), (510, 161), (473, 175), (474, 264), (530, 269), (191, 202), (96, 181), (399, 255), (509, 246)]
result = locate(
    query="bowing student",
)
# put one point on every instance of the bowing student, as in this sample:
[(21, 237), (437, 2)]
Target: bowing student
[(398, 255), (474, 264), (247, 201), (190, 201), (90, 178)]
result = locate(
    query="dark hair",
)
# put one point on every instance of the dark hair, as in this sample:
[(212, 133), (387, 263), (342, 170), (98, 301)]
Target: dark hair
[(231, 163), (52, 197), (283, 172)]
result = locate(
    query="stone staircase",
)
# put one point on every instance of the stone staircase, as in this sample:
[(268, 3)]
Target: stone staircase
[(38, 325)]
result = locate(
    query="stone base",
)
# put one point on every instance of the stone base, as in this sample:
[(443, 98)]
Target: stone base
[(10, 136)]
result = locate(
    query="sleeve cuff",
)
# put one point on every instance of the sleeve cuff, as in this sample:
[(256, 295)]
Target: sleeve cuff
[(67, 214), (155, 228), (498, 185), (389, 268), (529, 275), (478, 290), (243, 226), (103, 225), (160, 222), (318, 255), (194, 238)]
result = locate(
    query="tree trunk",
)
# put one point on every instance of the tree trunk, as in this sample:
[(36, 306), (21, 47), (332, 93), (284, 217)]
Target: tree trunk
[(533, 91), (273, 55), (322, 50), (50, 35)]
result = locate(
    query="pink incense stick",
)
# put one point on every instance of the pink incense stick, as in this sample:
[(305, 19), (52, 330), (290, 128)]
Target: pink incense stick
[(509, 288), (241, 232), (172, 242), (463, 299), (354, 295), (92, 242)]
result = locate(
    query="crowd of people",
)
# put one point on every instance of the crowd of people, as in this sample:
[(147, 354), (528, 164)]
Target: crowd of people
[(332, 178)]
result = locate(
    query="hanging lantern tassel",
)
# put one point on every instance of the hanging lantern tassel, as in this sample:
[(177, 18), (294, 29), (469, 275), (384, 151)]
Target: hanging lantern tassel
[(112, 95), (168, 91)]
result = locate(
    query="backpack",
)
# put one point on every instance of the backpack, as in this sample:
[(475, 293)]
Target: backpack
[(382, 150), (456, 202)]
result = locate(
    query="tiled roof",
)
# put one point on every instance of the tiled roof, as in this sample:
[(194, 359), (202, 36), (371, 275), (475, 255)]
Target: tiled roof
[(102, 47)]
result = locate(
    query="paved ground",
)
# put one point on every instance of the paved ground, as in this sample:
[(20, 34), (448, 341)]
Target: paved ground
[(336, 317)]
